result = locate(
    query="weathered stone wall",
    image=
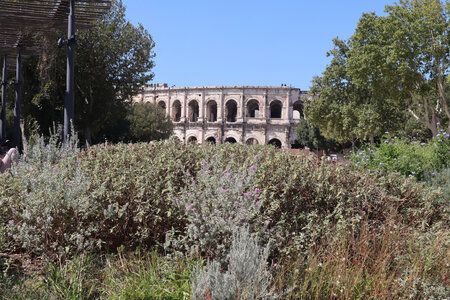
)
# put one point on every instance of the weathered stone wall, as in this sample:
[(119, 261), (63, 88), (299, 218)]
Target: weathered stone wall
[(243, 114)]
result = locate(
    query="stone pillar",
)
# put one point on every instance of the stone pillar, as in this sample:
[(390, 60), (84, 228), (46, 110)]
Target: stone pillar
[(240, 117), (168, 104), (286, 108), (201, 106), (183, 108), (264, 108), (220, 108)]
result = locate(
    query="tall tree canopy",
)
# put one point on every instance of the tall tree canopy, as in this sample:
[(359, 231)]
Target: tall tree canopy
[(391, 65), (113, 61), (148, 122)]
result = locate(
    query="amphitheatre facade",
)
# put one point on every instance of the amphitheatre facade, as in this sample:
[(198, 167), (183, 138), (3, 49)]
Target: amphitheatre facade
[(234, 114)]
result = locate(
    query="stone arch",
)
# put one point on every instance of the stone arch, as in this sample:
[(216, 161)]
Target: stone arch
[(230, 140), (192, 139), (211, 111), (252, 141), (231, 110), (176, 111), (275, 142), (211, 140), (193, 112), (253, 108), (275, 109), (297, 110), (177, 138), (162, 104)]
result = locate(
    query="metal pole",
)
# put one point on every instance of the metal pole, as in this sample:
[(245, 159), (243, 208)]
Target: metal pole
[(17, 131), (69, 97), (3, 111)]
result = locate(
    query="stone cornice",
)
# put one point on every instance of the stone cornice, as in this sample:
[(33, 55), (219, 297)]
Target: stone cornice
[(237, 87)]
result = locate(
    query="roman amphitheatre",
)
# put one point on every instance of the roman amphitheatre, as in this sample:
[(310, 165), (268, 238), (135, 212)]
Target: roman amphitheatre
[(233, 114)]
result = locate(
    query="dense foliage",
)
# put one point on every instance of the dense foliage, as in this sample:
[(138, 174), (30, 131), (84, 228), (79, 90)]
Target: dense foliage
[(393, 68), (113, 60), (58, 203), (310, 136), (409, 158), (147, 122)]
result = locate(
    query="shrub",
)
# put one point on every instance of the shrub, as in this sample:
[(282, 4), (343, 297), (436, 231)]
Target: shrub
[(121, 195), (303, 198), (133, 184), (440, 180), (409, 158), (47, 207), (247, 276), (215, 203)]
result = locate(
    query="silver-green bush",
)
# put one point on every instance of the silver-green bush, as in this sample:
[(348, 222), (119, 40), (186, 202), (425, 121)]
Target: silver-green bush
[(247, 276), (50, 208), (216, 202)]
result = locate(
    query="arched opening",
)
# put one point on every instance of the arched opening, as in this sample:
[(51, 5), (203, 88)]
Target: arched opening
[(252, 141), (192, 140), (211, 111), (275, 142), (177, 139), (176, 111), (211, 140), (231, 111), (297, 113), (230, 140), (162, 104), (193, 111), (253, 109), (275, 109)]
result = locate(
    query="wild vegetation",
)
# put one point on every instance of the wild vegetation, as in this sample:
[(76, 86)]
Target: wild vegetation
[(143, 220), (412, 158)]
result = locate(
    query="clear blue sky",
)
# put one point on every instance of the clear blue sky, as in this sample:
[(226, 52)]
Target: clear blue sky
[(246, 42)]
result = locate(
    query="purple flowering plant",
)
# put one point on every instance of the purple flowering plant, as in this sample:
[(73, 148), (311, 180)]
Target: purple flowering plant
[(215, 203)]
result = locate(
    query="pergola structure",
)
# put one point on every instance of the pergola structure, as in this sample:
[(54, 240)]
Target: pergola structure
[(20, 21)]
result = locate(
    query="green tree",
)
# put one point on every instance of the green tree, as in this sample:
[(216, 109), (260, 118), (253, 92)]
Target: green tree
[(310, 136), (113, 61), (343, 110), (405, 56), (148, 122), (392, 66)]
